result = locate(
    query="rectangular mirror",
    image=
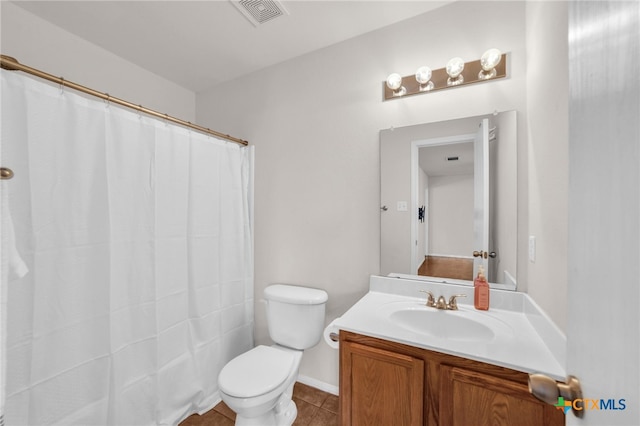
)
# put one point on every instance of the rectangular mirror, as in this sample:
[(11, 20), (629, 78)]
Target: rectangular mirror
[(449, 200)]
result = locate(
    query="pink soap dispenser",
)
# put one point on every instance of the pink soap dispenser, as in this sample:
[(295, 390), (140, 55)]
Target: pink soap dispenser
[(481, 291)]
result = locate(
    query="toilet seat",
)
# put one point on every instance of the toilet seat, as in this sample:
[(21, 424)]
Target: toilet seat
[(256, 372)]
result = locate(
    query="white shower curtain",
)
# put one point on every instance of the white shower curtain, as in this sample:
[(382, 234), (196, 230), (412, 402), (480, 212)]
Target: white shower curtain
[(137, 237)]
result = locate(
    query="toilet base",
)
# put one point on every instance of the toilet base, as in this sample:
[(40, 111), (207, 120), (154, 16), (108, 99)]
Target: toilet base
[(283, 414), (275, 408), (287, 416)]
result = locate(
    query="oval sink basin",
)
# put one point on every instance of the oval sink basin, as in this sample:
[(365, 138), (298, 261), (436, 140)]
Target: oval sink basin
[(452, 325)]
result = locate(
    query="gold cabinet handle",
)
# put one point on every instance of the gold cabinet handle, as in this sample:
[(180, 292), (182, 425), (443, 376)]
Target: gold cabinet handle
[(6, 173)]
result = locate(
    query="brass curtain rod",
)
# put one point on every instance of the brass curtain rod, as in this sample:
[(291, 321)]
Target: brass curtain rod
[(12, 64)]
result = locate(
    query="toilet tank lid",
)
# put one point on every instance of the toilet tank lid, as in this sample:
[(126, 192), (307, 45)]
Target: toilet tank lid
[(296, 295)]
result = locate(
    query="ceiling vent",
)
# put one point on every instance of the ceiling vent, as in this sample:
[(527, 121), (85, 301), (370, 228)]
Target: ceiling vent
[(260, 11)]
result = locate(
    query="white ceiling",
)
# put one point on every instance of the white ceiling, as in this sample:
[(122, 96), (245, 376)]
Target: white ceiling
[(434, 159), (198, 44)]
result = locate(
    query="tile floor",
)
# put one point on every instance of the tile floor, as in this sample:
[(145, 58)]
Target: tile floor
[(315, 408)]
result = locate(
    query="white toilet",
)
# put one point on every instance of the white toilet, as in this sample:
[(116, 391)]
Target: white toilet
[(258, 384)]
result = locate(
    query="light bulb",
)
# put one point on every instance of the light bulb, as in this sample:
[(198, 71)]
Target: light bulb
[(423, 77), (454, 69), (489, 60), (394, 82)]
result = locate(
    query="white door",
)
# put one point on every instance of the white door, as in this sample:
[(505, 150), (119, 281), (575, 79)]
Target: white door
[(426, 218), (603, 327), (481, 196)]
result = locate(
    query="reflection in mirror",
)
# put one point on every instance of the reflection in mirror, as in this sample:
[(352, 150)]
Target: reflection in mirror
[(449, 189)]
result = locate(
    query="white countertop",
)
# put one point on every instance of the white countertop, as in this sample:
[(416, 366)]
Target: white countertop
[(525, 339)]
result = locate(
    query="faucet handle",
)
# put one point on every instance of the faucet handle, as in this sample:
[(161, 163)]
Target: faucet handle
[(431, 301), (453, 304)]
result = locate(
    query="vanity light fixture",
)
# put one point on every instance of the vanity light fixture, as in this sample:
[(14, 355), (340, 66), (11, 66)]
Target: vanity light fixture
[(492, 65), (394, 82)]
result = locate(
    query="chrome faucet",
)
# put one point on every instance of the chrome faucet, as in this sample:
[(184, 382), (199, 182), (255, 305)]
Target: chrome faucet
[(442, 302)]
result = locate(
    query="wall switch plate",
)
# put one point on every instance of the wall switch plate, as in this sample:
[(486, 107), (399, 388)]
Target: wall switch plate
[(402, 206), (532, 248)]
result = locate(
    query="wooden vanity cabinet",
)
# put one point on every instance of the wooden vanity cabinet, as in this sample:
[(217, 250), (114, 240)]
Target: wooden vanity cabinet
[(384, 387), (387, 383)]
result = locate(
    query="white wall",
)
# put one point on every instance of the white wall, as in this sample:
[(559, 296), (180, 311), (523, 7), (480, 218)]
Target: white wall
[(38, 44), (315, 123), (548, 136), (451, 209)]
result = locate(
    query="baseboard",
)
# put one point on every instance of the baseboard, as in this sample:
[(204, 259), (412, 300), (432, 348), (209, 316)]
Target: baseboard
[(315, 383)]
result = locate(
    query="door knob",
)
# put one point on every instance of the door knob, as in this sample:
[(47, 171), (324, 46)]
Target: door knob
[(484, 254), (548, 390)]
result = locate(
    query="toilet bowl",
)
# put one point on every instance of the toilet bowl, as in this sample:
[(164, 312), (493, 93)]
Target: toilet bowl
[(258, 385)]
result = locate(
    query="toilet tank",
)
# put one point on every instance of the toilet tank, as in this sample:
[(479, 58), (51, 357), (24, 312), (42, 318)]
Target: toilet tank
[(295, 315)]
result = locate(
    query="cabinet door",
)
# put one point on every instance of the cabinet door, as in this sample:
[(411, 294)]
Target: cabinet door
[(471, 398), (379, 387)]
